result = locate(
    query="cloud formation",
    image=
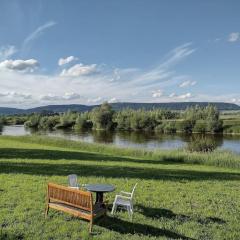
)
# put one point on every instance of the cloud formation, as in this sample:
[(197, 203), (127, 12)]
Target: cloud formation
[(233, 37), (36, 34), (113, 100), (178, 54), (20, 65), (7, 51), (185, 96), (157, 94), (79, 70), (63, 61), (187, 83), (93, 84), (175, 97), (66, 96)]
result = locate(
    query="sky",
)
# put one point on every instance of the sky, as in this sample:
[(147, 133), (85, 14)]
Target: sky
[(89, 51)]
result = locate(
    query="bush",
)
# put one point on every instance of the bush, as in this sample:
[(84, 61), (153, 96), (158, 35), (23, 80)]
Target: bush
[(48, 122), (159, 128), (66, 120), (169, 127), (201, 144), (33, 121), (214, 126), (102, 117), (1, 124), (82, 122), (200, 126), (184, 126)]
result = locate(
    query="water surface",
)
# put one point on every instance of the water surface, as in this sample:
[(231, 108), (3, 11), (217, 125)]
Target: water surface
[(147, 140)]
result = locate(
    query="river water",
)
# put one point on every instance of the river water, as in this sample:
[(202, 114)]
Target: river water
[(146, 140)]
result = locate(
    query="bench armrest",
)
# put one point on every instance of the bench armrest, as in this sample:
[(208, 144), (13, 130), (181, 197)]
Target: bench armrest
[(74, 187)]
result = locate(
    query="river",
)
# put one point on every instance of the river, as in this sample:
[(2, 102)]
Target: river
[(146, 140)]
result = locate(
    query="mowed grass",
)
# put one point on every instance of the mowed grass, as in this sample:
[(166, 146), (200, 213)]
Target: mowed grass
[(177, 196)]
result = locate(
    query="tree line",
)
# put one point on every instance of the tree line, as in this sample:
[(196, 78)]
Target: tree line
[(193, 119)]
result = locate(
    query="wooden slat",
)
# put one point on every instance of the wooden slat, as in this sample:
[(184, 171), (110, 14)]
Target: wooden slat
[(73, 197), (76, 202)]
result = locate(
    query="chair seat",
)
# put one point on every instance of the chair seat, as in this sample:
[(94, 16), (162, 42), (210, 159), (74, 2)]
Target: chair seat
[(123, 202)]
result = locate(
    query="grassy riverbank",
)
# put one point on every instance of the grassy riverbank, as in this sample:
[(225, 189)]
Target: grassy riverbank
[(179, 196)]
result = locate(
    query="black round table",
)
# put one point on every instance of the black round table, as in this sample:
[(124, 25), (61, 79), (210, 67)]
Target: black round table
[(100, 189)]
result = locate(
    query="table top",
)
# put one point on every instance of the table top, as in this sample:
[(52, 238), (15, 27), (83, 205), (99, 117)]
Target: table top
[(100, 187)]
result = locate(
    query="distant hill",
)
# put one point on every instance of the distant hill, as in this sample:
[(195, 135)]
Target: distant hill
[(175, 105), (10, 111), (117, 106)]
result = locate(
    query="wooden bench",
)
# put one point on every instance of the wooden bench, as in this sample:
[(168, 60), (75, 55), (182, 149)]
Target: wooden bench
[(76, 202)]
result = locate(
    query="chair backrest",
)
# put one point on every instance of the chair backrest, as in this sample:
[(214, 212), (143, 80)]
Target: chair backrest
[(72, 180), (72, 197), (133, 190)]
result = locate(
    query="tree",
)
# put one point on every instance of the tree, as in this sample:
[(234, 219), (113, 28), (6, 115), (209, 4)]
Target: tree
[(102, 117)]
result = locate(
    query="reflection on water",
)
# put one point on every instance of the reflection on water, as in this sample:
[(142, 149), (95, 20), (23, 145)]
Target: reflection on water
[(148, 140)]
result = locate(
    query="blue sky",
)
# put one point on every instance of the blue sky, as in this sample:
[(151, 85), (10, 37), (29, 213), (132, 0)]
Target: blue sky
[(87, 52)]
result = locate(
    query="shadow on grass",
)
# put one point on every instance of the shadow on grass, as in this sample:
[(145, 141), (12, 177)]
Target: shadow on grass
[(86, 170), (11, 153), (166, 213), (125, 227), (10, 236)]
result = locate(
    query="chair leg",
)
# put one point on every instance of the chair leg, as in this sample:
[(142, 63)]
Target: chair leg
[(113, 209), (129, 211)]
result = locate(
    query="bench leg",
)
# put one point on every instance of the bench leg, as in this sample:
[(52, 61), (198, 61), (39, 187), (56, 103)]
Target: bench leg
[(90, 226), (46, 211)]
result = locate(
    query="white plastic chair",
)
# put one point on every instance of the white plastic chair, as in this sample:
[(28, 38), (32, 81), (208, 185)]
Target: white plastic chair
[(72, 181), (124, 199)]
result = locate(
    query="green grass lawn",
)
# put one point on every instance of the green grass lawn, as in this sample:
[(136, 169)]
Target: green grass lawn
[(179, 195)]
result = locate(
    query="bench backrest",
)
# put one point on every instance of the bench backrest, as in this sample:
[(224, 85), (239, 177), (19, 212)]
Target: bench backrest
[(72, 197)]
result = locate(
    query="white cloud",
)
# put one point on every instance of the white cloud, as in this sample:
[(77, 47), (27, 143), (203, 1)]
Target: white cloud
[(178, 54), (15, 98), (20, 65), (79, 70), (129, 84), (157, 93), (187, 83), (113, 100), (71, 96), (63, 61), (95, 100), (7, 51), (233, 37), (185, 96), (66, 96), (172, 95), (235, 100), (36, 34)]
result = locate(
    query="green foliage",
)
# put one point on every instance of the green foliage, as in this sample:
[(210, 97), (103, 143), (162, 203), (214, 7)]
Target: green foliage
[(201, 126), (82, 122), (201, 144), (184, 126), (169, 127), (102, 117), (193, 119), (1, 123), (33, 121), (48, 122), (203, 119), (67, 120), (231, 125)]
